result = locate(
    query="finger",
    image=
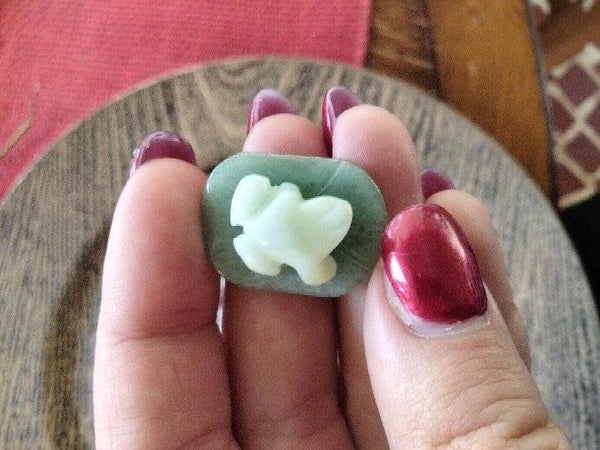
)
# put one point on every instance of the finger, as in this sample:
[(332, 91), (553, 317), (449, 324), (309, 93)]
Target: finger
[(477, 224), (434, 180), (282, 347), (160, 374), (444, 368), (374, 139)]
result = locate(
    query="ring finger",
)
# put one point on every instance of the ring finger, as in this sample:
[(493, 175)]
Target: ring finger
[(375, 140)]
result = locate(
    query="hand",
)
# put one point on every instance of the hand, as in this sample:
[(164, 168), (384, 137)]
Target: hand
[(166, 377)]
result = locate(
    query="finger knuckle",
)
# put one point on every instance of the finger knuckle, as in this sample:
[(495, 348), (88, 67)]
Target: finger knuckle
[(504, 436)]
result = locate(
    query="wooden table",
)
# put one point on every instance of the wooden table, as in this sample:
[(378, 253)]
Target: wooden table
[(481, 57), (54, 226)]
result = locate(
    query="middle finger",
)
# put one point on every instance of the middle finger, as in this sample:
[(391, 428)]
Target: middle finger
[(282, 347)]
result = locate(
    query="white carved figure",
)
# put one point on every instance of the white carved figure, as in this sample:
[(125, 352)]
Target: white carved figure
[(280, 227)]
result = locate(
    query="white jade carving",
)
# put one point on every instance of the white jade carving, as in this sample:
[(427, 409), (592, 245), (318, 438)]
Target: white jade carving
[(280, 227)]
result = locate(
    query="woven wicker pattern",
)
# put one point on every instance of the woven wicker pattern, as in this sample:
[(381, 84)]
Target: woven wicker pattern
[(574, 87)]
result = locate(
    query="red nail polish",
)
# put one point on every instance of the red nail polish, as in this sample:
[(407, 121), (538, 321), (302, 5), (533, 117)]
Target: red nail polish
[(431, 266), (433, 181), (337, 100), (162, 144), (268, 102)]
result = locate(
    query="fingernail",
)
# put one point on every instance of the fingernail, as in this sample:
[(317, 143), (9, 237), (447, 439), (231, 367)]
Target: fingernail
[(161, 144), (431, 270), (433, 181), (268, 102), (337, 100)]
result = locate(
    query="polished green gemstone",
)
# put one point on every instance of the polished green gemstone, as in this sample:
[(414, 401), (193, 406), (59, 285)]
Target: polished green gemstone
[(356, 254)]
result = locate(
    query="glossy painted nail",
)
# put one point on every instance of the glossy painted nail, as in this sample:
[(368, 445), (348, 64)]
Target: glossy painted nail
[(337, 100), (268, 102), (161, 144), (434, 181), (431, 269)]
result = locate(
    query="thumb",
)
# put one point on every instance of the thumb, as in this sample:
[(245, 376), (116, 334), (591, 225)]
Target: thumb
[(444, 369)]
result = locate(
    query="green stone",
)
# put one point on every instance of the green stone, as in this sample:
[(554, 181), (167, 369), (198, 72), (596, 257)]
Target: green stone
[(355, 256)]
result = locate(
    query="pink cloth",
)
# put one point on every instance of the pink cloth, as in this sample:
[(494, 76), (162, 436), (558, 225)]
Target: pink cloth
[(60, 61)]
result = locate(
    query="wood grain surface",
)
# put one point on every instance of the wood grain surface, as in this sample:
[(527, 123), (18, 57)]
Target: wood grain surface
[(54, 226), (480, 57), (401, 42), (567, 31)]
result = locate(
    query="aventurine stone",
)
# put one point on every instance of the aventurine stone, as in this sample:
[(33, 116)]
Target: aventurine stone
[(355, 256)]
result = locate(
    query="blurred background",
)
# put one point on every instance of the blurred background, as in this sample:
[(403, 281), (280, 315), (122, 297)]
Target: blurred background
[(527, 72)]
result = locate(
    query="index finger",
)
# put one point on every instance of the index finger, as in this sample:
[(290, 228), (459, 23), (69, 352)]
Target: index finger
[(160, 379)]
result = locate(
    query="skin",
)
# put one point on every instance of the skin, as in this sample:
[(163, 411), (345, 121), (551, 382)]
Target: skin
[(165, 377)]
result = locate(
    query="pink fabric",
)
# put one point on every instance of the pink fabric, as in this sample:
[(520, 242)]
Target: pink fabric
[(61, 60)]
